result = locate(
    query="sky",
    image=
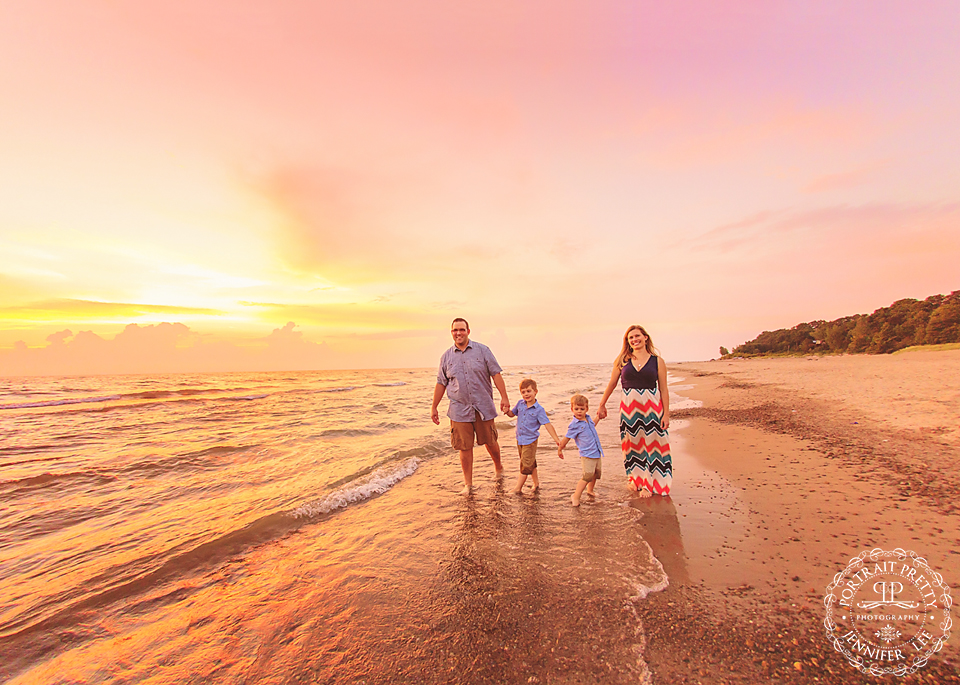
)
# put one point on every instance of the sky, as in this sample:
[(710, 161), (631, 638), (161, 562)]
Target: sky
[(216, 185)]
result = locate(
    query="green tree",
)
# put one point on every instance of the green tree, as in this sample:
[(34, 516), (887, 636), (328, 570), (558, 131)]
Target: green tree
[(944, 323)]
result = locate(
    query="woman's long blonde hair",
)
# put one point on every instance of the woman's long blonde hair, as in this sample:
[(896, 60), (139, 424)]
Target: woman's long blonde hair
[(626, 352)]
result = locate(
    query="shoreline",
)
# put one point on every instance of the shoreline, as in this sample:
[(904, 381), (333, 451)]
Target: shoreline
[(780, 479)]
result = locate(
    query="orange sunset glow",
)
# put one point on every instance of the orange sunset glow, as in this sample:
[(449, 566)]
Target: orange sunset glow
[(217, 186)]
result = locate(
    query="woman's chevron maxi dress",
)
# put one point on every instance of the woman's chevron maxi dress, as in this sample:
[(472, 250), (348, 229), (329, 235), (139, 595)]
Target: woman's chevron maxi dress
[(645, 445)]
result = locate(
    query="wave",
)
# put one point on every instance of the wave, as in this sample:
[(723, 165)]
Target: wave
[(346, 432), (54, 403), (49, 479), (389, 385), (375, 483), (137, 577)]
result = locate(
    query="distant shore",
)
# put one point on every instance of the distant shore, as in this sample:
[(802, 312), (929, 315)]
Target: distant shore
[(813, 460)]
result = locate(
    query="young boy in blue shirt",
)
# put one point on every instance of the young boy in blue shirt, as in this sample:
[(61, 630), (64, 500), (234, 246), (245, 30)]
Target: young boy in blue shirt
[(530, 416), (584, 433)]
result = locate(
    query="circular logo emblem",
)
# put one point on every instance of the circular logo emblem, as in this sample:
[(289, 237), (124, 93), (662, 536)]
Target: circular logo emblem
[(887, 612)]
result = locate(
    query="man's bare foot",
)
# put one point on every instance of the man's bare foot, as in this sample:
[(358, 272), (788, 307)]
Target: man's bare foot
[(574, 501)]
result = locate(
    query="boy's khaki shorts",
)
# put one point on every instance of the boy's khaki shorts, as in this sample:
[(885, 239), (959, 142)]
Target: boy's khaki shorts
[(591, 468), (528, 458), (462, 433)]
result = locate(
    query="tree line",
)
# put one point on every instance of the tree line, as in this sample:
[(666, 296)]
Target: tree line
[(908, 322)]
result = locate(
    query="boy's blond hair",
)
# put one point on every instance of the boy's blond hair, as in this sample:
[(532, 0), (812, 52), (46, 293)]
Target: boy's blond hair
[(579, 401), (528, 383)]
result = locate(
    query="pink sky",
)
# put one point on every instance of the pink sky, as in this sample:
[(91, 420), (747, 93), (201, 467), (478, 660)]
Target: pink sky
[(552, 171)]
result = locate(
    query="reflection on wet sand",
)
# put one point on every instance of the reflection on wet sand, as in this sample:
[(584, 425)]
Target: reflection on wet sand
[(661, 530)]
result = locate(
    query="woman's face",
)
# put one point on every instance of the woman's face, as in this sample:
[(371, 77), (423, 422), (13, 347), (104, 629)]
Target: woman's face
[(637, 339)]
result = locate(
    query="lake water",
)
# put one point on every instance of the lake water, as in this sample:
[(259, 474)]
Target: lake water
[(304, 527)]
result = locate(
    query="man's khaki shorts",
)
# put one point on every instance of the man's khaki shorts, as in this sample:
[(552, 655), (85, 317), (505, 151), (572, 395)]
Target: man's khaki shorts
[(528, 458), (462, 434), (591, 468)]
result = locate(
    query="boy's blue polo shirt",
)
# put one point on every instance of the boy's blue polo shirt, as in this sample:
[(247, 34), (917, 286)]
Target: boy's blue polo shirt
[(529, 420), (584, 433)]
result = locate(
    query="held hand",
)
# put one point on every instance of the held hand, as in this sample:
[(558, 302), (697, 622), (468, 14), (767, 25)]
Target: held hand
[(435, 415), (666, 420), (504, 405), (560, 452), (601, 413)]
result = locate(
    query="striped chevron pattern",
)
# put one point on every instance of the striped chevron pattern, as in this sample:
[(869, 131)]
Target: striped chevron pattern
[(645, 444)]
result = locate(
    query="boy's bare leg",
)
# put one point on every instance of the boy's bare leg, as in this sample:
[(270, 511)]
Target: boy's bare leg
[(575, 499), (466, 463), (520, 481), (494, 450), (536, 479), (590, 486)]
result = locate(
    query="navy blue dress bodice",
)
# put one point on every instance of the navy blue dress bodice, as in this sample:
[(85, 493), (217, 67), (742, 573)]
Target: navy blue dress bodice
[(644, 379)]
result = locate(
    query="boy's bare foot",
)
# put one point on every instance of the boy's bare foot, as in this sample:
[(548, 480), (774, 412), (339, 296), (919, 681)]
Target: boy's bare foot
[(574, 501), (591, 494), (536, 488)]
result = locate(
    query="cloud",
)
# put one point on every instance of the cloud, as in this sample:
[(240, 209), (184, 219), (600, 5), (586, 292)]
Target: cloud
[(845, 179), (347, 315), (79, 310), (163, 348), (690, 135)]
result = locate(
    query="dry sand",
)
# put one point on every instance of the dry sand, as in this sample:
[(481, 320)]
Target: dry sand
[(792, 467)]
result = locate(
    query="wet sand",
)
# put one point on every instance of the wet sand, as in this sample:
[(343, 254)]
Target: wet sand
[(791, 468)]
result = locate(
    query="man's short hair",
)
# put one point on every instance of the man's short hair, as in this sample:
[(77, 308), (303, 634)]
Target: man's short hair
[(579, 401), (460, 319), (528, 383)]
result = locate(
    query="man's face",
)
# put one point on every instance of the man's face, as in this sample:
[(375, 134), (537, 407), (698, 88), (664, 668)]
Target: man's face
[(460, 333)]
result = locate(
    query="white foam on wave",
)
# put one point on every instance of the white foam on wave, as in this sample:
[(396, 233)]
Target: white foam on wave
[(644, 590), (375, 483), (389, 385), (681, 402)]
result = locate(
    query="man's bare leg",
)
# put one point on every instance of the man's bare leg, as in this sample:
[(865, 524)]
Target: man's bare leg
[(494, 450), (466, 463)]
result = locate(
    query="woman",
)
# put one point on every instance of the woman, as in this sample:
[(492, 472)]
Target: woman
[(644, 414)]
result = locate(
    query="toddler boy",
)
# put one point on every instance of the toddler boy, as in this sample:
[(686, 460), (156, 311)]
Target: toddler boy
[(530, 416), (584, 433)]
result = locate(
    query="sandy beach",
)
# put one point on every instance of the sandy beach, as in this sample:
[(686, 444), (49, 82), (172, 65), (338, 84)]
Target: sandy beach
[(791, 467)]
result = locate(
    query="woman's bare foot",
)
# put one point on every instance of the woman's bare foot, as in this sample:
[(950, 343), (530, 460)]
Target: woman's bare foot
[(467, 489), (643, 493), (498, 474)]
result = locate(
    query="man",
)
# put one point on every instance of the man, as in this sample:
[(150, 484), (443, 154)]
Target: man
[(466, 370)]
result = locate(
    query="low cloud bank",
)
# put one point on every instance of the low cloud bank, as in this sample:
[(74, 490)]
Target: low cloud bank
[(163, 348)]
